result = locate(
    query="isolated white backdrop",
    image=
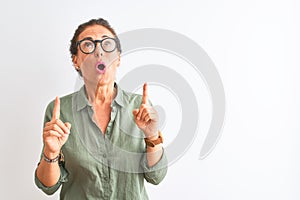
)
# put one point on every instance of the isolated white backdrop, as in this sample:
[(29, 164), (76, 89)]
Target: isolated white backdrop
[(254, 45)]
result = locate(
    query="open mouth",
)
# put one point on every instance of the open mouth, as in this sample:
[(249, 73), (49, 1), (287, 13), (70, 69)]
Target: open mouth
[(100, 67)]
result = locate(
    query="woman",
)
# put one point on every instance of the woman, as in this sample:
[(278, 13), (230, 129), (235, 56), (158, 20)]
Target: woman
[(114, 143)]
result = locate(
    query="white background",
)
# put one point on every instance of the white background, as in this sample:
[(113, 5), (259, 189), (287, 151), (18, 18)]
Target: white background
[(254, 45)]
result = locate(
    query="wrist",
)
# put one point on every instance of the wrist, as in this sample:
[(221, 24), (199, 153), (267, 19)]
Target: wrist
[(154, 140), (153, 136), (50, 160), (50, 155)]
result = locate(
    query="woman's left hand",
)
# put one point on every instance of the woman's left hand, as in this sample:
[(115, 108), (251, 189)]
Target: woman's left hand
[(146, 117)]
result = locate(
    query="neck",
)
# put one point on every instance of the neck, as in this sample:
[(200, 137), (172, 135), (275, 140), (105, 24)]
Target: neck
[(100, 94)]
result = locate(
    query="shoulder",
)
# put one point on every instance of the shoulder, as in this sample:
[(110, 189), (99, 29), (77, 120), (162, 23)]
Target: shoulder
[(67, 99), (65, 104), (64, 100), (128, 98)]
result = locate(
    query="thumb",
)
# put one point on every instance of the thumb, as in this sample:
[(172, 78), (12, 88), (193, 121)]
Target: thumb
[(68, 125), (135, 112)]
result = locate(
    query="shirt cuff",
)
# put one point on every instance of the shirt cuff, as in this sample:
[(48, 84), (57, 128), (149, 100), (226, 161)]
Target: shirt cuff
[(157, 172)]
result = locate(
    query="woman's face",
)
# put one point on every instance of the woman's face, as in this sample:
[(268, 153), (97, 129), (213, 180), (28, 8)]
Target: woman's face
[(99, 67)]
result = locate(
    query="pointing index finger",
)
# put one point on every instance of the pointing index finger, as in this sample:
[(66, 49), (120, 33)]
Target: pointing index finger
[(145, 94), (56, 109)]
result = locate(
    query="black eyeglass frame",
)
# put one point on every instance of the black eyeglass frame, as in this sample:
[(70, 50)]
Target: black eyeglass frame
[(95, 44)]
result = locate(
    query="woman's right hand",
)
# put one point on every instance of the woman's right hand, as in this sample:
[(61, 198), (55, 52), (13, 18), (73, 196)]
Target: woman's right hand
[(55, 133)]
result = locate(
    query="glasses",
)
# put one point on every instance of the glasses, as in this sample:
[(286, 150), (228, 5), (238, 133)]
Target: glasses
[(88, 45)]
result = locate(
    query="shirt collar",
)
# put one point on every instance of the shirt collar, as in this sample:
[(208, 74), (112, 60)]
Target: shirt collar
[(119, 97), (82, 100)]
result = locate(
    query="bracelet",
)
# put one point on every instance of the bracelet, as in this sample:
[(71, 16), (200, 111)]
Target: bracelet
[(153, 143), (48, 160)]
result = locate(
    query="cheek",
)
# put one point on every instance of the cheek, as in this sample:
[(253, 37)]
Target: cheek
[(85, 60), (113, 59)]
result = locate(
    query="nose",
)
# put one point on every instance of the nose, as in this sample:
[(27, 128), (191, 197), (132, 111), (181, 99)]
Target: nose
[(98, 50)]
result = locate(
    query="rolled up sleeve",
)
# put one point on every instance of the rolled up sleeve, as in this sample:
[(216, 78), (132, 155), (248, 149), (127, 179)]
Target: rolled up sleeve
[(157, 172), (51, 190)]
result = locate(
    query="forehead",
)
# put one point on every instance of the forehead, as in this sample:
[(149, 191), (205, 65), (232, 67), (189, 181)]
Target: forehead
[(95, 32)]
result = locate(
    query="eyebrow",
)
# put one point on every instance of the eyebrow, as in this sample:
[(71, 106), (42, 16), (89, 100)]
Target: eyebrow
[(87, 38), (90, 38)]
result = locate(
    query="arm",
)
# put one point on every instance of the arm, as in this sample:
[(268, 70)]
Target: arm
[(154, 154), (48, 173), (146, 118), (154, 162), (154, 148), (51, 189), (155, 174), (55, 134)]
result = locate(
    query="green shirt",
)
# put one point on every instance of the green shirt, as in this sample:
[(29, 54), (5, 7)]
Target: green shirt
[(103, 166)]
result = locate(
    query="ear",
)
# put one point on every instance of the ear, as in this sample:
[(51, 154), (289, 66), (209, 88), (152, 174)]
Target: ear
[(74, 60)]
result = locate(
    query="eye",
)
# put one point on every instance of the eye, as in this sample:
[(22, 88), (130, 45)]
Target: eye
[(107, 43), (87, 44)]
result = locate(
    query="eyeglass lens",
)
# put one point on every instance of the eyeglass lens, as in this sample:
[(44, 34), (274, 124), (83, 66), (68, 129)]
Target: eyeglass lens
[(88, 46)]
